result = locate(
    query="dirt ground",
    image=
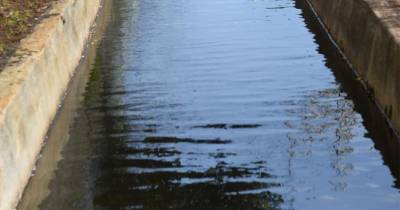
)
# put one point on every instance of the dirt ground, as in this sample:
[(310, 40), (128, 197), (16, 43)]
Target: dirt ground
[(17, 19)]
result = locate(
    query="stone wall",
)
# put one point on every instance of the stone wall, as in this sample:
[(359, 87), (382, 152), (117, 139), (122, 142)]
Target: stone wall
[(368, 33), (32, 86)]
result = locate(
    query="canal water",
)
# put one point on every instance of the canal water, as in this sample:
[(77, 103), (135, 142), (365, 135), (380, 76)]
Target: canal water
[(216, 104)]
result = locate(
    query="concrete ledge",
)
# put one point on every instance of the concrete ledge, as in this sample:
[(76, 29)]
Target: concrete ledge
[(368, 33), (32, 86)]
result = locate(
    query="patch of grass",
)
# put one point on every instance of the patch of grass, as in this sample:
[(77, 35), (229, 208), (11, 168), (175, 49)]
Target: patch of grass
[(17, 18), (2, 47)]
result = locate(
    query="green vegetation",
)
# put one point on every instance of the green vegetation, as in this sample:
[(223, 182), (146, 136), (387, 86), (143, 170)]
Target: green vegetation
[(17, 18)]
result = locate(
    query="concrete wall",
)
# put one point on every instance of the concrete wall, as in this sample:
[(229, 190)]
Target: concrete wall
[(32, 86), (368, 32)]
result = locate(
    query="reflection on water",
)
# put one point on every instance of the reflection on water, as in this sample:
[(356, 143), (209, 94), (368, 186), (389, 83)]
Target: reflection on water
[(385, 140), (221, 105)]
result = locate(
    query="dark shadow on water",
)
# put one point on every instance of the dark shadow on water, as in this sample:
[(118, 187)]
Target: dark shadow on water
[(161, 139), (384, 137), (227, 126), (130, 172)]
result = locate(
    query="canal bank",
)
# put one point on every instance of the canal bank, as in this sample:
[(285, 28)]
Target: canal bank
[(32, 86), (368, 33)]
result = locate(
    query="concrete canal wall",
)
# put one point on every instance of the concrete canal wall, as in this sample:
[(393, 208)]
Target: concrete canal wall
[(368, 32), (32, 86)]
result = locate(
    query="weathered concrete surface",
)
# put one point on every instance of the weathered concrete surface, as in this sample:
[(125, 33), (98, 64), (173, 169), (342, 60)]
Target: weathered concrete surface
[(31, 87), (368, 32)]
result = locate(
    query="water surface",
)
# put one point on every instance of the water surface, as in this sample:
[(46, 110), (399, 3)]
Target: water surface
[(220, 104)]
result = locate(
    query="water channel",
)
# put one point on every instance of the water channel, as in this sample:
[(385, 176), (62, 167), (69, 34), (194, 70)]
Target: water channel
[(216, 104)]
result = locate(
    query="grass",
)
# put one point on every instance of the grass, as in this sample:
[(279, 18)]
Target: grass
[(17, 18)]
